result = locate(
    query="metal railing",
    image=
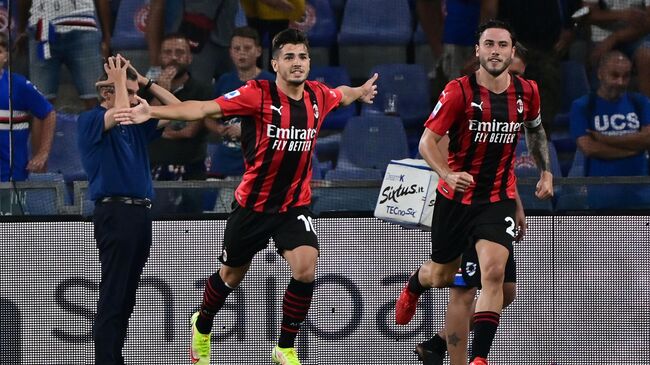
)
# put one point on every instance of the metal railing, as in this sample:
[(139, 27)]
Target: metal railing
[(55, 197)]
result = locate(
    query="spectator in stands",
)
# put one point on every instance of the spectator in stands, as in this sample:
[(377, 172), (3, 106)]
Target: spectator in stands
[(26, 101), (452, 39), (612, 129), (65, 32), (119, 182), (208, 25), (269, 17), (547, 39), (431, 20), (623, 25), (227, 161), (180, 153)]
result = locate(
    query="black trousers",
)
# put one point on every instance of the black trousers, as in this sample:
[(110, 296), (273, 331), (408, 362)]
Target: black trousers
[(123, 236)]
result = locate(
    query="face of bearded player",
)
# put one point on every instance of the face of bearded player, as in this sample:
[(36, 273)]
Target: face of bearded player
[(495, 50)]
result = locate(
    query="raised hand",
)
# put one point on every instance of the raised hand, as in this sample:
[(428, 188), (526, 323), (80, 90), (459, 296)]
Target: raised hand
[(166, 76), (115, 68), (135, 115), (369, 90)]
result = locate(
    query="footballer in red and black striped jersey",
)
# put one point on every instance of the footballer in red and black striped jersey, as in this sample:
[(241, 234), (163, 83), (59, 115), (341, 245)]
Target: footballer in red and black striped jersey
[(278, 138)]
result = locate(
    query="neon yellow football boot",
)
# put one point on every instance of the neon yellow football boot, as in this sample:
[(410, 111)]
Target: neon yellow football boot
[(285, 356), (199, 345)]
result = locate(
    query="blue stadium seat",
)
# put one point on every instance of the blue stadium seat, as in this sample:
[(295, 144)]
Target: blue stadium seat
[(342, 173), (337, 5), (374, 32), (44, 201), (578, 167), (316, 170), (319, 23), (561, 120), (525, 166), (574, 196), (333, 77), (347, 199), (565, 145), (64, 156), (376, 22), (575, 83), (372, 142), (411, 86)]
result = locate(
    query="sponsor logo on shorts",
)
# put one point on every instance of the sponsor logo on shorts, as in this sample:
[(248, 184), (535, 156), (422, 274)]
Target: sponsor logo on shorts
[(470, 268)]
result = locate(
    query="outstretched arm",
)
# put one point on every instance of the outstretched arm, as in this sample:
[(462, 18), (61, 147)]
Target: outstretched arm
[(187, 110), (538, 148), (365, 92)]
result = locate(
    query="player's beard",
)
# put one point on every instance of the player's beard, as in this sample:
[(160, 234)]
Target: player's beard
[(296, 81), (495, 71)]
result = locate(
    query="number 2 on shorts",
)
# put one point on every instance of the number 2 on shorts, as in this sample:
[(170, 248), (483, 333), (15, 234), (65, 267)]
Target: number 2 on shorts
[(511, 229)]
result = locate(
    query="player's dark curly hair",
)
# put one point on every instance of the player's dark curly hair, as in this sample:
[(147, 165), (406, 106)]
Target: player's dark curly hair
[(495, 23), (288, 36)]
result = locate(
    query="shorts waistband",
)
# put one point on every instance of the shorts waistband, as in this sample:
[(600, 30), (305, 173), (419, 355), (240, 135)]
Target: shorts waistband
[(126, 200)]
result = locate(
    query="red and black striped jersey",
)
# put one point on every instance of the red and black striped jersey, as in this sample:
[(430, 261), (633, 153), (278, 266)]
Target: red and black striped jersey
[(278, 136), (483, 129)]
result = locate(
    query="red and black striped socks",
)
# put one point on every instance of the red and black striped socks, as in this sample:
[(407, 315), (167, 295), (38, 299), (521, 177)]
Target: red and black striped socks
[(295, 305), (214, 295), (485, 328)]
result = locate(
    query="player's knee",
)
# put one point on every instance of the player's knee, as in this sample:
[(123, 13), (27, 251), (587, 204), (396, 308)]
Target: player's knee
[(305, 271), (436, 276), (305, 275), (462, 297), (233, 276), (492, 275), (442, 280)]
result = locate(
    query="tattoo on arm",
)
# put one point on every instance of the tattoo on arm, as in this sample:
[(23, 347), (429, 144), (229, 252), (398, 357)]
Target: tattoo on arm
[(538, 147), (453, 339)]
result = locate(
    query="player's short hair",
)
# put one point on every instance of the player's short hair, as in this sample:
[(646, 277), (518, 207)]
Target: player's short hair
[(4, 40), (288, 36), (247, 32), (494, 23)]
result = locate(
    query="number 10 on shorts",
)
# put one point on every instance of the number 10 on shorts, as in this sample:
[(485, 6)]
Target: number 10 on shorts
[(308, 222)]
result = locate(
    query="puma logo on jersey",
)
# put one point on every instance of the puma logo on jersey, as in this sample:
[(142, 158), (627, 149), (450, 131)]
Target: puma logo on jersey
[(279, 110), (479, 106)]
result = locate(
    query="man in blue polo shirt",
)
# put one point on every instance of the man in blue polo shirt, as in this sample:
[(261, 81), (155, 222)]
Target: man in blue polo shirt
[(117, 163), (612, 129), (27, 102)]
